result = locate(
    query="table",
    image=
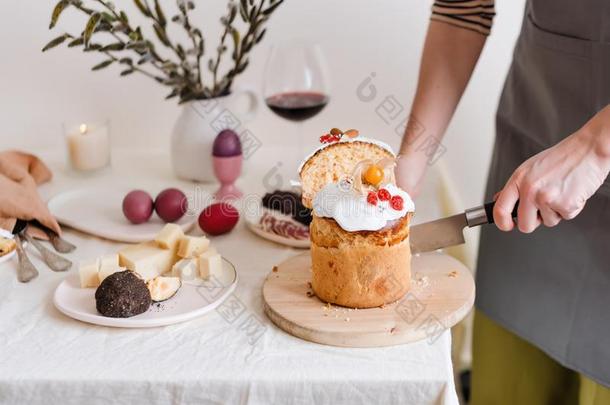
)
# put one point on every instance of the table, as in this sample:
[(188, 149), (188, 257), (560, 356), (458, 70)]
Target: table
[(222, 358)]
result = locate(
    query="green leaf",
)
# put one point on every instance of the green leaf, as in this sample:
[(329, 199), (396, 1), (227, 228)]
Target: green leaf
[(124, 17), (232, 13), (260, 36), (243, 10), (108, 17), (90, 27), (92, 47), (117, 46), (76, 42), (54, 42), (160, 15), (127, 72), (236, 39), (59, 8), (271, 8), (161, 35), (143, 9), (137, 45), (103, 64), (126, 61), (242, 67)]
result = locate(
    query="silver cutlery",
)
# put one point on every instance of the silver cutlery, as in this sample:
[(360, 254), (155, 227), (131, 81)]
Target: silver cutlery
[(25, 270), (53, 260), (59, 244)]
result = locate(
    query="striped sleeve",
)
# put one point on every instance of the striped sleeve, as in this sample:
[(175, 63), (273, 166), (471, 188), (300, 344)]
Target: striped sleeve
[(476, 15)]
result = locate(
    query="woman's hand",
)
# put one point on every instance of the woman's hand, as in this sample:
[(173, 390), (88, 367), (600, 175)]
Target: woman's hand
[(21, 200), (556, 183), (20, 174)]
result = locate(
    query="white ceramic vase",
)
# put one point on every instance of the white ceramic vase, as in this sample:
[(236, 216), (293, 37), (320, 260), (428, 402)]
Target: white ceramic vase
[(197, 126)]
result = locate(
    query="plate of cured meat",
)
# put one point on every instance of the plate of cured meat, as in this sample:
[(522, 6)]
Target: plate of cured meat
[(282, 218)]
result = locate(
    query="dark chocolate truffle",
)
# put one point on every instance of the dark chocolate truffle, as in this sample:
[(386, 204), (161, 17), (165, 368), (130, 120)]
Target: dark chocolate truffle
[(122, 295)]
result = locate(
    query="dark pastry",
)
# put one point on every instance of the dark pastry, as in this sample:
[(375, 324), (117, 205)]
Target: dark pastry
[(122, 295), (288, 203)]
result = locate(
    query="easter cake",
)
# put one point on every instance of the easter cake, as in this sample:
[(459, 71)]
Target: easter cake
[(360, 228)]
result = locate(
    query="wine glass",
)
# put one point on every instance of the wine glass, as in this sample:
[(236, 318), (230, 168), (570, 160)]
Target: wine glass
[(296, 84)]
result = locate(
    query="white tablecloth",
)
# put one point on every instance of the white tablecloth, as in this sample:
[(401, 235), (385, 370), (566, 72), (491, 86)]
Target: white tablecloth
[(48, 358)]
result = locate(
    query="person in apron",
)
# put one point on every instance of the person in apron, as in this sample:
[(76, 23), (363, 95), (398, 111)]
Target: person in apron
[(542, 317)]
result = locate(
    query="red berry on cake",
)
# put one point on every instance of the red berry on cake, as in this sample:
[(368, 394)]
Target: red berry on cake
[(371, 198), (397, 202), (383, 194)]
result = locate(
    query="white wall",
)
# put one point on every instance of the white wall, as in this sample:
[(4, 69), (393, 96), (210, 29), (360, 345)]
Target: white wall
[(40, 91)]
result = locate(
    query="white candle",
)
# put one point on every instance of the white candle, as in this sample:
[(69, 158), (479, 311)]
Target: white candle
[(89, 147)]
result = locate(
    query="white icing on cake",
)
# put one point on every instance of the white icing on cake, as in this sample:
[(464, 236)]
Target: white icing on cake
[(348, 139), (353, 212)]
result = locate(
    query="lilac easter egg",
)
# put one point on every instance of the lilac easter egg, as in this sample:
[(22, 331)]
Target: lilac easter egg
[(226, 144)]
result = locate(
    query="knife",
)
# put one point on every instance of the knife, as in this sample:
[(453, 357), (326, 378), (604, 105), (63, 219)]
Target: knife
[(448, 231)]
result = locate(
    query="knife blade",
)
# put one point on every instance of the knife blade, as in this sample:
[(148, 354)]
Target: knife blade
[(449, 231)]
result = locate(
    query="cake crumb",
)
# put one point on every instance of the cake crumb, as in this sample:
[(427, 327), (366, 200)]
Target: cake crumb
[(392, 330), (421, 281), (275, 269), (453, 274), (309, 284), (347, 319), (310, 294)]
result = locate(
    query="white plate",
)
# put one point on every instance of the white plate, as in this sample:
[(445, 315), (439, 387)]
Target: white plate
[(253, 222), (191, 301), (99, 212), (6, 234)]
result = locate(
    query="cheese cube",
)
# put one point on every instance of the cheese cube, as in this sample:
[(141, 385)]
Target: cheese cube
[(108, 270), (111, 260), (147, 259), (210, 264), (169, 236), (186, 269), (87, 270), (192, 246)]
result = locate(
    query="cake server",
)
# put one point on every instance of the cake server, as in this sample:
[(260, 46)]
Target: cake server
[(449, 231)]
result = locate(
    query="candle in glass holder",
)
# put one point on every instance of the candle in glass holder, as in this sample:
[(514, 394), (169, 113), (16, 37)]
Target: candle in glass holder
[(88, 147)]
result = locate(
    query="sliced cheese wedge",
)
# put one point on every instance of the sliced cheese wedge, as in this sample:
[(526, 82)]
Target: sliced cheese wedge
[(169, 236), (147, 259)]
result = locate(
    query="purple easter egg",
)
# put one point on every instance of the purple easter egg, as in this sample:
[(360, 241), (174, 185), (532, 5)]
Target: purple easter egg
[(226, 144)]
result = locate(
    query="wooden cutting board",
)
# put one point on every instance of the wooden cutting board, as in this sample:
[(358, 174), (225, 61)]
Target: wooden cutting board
[(442, 294)]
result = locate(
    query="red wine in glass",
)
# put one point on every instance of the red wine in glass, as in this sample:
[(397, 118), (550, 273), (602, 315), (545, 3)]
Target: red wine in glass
[(297, 105)]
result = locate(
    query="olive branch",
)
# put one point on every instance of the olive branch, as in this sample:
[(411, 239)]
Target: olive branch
[(126, 46)]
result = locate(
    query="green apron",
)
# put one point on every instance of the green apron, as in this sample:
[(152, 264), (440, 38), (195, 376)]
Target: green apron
[(552, 287)]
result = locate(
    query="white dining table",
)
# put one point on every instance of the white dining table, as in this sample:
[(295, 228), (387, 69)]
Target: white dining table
[(237, 358)]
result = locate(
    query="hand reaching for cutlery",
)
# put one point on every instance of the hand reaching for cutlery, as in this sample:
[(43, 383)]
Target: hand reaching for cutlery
[(20, 174)]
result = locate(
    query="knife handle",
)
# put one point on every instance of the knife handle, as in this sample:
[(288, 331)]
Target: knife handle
[(489, 211), (484, 214)]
